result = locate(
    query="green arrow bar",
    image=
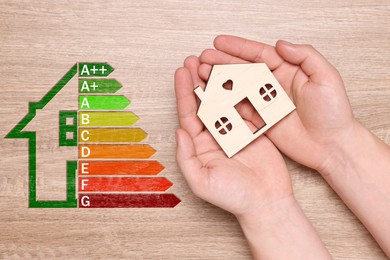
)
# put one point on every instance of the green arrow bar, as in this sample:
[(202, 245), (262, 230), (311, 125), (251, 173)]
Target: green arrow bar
[(95, 69), (103, 102), (91, 86)]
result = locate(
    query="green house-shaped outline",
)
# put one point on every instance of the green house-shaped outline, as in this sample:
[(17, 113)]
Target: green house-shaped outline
[(17, 132)]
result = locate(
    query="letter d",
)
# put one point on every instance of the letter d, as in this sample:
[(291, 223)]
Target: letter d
[(85, 151)]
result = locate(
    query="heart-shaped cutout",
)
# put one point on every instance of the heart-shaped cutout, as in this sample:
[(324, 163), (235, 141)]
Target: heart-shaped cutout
[(228, 85)]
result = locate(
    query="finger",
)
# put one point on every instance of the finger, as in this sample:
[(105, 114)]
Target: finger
[(248, 50), (186, 102), (210, 57), (250, 115), (204, 71), (192, 64), (310, 60), (190, 165), (213, 57), (288, 142)]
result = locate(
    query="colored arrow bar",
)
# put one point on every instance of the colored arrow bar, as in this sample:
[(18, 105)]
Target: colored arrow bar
[(95, 184), (118, 151), (111, 135), (120, 167), (94, 69), (107, 118), (89, 200), (91, 86), (103, 102)]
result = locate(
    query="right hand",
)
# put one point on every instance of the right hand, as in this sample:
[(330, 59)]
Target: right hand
[(322, 121)]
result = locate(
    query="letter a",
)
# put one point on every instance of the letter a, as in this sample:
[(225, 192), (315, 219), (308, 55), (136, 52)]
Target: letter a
[(84, 70), (85, 87), (85, 103)]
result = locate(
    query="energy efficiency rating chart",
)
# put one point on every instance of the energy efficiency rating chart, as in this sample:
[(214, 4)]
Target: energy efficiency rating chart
[(114, 168)]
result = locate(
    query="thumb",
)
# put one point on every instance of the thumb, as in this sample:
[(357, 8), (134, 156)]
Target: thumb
[(313, 64), (190, 165)]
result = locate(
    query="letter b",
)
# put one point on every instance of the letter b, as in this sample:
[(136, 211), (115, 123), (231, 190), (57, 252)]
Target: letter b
[(85, 119)]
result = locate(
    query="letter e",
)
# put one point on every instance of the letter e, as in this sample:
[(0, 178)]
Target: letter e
[(84, 168)]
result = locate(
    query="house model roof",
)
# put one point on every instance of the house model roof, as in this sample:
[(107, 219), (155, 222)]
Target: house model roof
[(231, 87)]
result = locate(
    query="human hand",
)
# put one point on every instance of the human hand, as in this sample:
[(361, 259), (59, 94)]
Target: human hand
[(323, 119), (254, 184), (254, 178)]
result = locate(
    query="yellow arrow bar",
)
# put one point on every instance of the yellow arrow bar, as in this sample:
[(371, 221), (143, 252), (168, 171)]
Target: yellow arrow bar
[(94, 118), (111, 135)]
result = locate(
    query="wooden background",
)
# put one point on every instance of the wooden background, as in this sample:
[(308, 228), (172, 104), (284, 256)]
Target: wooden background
[(146, 41)]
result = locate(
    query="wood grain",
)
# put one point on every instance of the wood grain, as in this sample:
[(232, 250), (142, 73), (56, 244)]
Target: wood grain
[(146, 41)]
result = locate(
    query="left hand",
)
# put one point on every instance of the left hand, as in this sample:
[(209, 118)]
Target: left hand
[(254, 178)]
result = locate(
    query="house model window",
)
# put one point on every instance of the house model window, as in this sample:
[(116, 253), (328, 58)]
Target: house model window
[(223, 125), (229, 86), (268, 92)]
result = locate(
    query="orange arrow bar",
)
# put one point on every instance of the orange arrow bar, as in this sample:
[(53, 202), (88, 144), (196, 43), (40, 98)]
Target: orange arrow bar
[(118, 151), (120, 167), (123, 184)]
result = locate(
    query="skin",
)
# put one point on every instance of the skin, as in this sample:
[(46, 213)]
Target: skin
[(259, 194), (321, 133)]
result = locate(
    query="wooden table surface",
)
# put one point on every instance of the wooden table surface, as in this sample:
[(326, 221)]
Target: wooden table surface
[(146, 41)]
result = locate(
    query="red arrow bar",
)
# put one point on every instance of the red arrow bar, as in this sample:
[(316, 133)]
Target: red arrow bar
[(123, 184), (128, 200)]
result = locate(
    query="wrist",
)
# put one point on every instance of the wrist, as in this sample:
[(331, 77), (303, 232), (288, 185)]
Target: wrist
[(360, 175), (355, 158), (280, 230), (271, 212), (341, 154)]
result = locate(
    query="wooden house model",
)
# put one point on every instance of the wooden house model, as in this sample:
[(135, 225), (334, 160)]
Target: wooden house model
[(232, 84)]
